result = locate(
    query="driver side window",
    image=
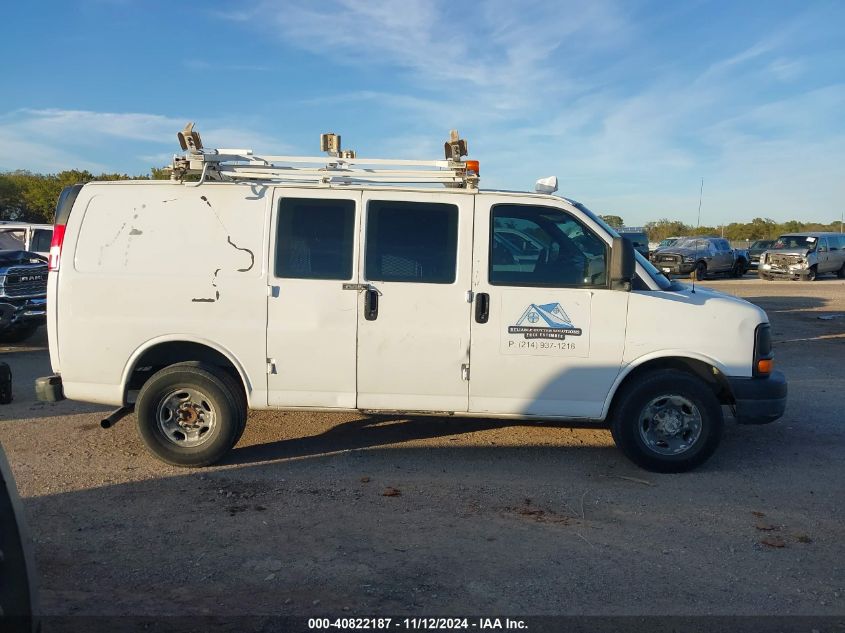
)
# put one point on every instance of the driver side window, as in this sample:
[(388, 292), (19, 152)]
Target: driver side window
[(544, 246)]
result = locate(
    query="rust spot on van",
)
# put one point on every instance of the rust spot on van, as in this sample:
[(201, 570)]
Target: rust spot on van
[(246, 250)]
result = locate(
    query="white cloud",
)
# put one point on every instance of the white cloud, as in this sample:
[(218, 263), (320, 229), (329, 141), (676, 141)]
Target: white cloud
[(51, 140)]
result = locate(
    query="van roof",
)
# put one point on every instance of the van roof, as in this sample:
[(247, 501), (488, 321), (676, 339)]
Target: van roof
[(334, 187)]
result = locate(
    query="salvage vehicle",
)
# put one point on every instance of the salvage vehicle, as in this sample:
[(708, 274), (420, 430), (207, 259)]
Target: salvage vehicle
[(804, 256), (23, 294), (700, 257), (339, 283), (756, 250)]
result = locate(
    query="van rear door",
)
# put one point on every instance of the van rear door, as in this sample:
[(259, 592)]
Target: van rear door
[(413, 330), (312, 304)]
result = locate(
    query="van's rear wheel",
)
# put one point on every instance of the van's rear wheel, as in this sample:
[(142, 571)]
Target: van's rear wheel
[(189, 415), (667, 421)]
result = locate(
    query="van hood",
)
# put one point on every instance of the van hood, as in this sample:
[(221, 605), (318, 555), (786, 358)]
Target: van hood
[(789, 251), (684, 252)]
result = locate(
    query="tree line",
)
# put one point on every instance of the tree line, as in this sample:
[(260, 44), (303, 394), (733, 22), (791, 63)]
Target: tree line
[(757, 229), (31, 197)]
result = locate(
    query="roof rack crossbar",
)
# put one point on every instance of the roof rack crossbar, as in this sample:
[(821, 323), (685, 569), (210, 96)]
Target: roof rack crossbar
[(340, 167)]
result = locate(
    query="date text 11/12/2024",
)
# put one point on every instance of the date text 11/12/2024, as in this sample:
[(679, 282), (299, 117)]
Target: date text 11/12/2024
[(417, 624)]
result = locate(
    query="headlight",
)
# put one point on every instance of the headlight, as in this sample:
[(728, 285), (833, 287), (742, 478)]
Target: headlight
[(689, 260)]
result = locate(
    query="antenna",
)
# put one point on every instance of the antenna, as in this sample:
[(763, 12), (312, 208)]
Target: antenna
[(697, 226)]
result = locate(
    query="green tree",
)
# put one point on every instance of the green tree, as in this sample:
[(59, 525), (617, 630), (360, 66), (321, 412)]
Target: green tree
[(661, 229), (613, 220)]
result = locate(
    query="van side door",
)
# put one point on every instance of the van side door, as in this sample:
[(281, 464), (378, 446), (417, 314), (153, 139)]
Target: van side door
[(548, 333), (312, 298), (414, 314)]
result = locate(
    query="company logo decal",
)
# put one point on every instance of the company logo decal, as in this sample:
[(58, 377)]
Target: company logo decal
[(547, 320)]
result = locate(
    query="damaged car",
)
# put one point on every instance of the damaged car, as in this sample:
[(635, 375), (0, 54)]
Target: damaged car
[(804, 256)]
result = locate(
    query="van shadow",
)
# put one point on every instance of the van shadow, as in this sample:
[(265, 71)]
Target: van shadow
[(380, 430)]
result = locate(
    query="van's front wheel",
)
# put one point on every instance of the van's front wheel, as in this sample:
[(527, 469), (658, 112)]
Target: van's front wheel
[(188, 415), (667, 421)]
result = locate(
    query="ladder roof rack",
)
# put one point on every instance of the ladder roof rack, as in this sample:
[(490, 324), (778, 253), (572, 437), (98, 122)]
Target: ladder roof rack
[(340, 167)]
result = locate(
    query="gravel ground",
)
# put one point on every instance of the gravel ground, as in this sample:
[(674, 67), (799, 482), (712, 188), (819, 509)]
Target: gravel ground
[(319, 514)]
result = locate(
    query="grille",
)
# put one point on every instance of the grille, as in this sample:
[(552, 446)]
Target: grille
[(669, 259), (25, 281), (784, 261)]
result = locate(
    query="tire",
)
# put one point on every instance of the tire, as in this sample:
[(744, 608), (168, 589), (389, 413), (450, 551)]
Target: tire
[(17, 334), (699, 273), (841, 272), (765, 276), (644, 439), (190, 414), (739, 269), (811, 274)]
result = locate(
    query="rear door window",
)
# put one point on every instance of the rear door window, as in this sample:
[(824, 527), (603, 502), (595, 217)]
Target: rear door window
[(415, 242), (315, 239)]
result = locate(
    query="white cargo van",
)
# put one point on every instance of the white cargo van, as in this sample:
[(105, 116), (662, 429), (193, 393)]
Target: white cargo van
[(343, 283)]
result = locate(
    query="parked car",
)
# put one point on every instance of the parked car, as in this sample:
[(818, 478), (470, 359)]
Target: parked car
[(23, 294), (668, 241), (638, 238), (804, 256), (336, 288), (700, 257), (20, 236), (755, 250)]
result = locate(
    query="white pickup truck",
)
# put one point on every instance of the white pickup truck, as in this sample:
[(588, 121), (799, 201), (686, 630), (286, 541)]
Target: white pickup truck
[(339, 283)]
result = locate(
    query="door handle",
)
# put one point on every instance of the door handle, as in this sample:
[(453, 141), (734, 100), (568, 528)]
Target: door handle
[(371, 304), (482, 307)]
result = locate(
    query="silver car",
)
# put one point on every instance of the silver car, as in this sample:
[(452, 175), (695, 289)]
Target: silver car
[(804, 256)]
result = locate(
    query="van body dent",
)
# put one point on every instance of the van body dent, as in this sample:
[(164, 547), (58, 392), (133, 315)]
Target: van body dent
[(197, 303)]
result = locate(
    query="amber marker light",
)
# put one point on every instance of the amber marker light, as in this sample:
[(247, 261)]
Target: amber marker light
[(472, 165)]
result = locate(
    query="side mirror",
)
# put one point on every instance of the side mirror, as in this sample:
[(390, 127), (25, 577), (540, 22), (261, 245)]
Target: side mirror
[(622, 264)]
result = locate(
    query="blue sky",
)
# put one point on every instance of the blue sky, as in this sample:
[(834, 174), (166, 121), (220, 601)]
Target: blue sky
[(629, 103)]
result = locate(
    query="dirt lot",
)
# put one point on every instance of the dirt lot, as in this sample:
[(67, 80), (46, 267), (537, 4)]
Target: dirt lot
[(490, 517)]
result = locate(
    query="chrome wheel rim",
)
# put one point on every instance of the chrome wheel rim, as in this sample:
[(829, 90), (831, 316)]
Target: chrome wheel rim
[(670, 425), (186, 417)]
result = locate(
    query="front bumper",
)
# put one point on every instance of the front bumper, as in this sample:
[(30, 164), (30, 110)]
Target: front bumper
[(675, 268), (759, 400), (15, 312), (794, 270)]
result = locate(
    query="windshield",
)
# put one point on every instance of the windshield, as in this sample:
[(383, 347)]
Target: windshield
[(659, 278), (12, 240), (760, 244), (801, 242), (692, 243), (669, 241)]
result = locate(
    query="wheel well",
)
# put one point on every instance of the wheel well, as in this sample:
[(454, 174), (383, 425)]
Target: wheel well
[(711, 376), (163, 355)]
